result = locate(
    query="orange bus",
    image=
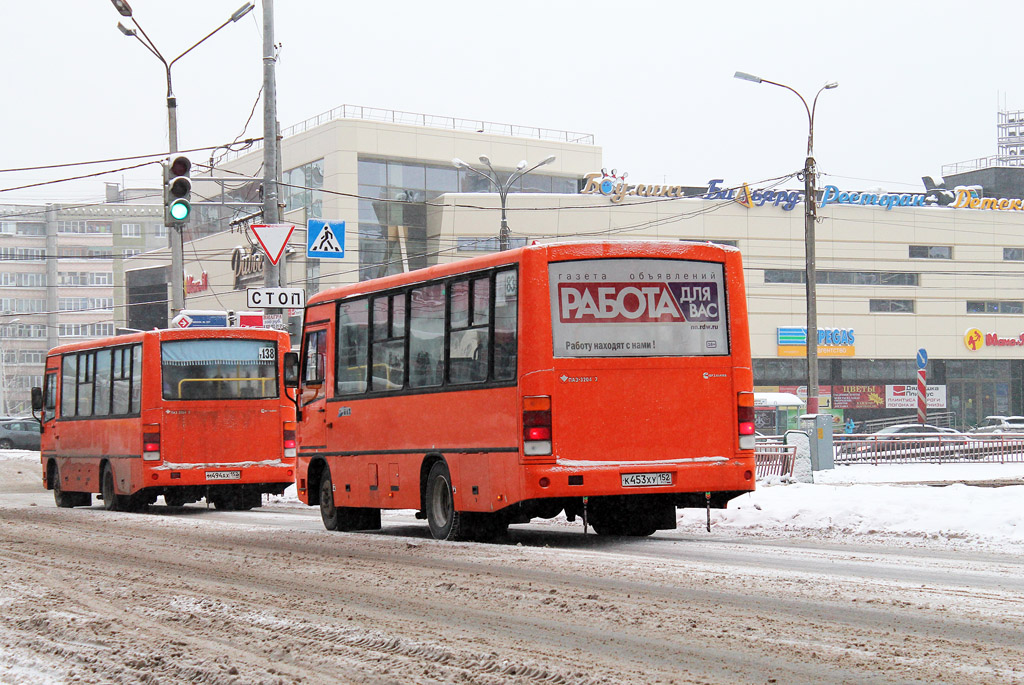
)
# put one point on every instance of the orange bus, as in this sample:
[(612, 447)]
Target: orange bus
[(186, 414), (610, 381)]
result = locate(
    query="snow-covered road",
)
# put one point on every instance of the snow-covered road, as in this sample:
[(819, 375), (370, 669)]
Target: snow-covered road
[(830, 582)]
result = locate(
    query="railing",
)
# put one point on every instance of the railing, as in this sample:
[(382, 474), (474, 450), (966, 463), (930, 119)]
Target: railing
[(946, 419), (982, 163), (928, 448), (430, 120), (774, 459)]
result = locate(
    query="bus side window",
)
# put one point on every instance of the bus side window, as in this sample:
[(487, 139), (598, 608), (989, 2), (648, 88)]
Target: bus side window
[(506, 324), (426, 336), (350, 372), (470, 334)]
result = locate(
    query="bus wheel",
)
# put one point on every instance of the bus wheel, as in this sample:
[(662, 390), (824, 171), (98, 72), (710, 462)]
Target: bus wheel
[(111, 500), (445, 523), (64, 500), (174, 498), (328, 512)]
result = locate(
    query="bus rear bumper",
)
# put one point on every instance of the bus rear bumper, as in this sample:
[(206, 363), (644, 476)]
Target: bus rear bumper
[(593, 479)]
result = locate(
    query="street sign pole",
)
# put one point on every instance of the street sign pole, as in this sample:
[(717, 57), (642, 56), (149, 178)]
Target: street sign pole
[(922, 386)]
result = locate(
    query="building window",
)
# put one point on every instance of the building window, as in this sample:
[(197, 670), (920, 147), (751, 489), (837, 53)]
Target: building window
[(1013, 254), (891, 306), (130, 252), (131, 230), (487, 244), (931, 252), (995, 307), (843, 277), (159, 230), (26, 228)]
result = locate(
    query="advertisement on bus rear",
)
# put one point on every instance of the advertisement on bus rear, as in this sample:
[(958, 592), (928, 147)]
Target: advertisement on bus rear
[(638, 308)]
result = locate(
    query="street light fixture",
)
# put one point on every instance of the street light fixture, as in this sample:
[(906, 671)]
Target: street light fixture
[(810, 216), (174, 232), (502, 188)]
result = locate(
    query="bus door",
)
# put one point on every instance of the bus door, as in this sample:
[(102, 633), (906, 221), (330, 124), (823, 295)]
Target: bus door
[(313, 398), (50, 444)]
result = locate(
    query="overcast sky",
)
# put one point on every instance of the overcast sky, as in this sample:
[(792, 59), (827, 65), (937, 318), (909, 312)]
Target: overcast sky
[(920, 83)]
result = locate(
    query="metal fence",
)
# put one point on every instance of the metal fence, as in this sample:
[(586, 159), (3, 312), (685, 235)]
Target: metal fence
[(928, 448), (945, 419), (774, 459)]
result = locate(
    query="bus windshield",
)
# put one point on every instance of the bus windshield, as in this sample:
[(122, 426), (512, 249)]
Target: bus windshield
[(212, 369), (638, 308)]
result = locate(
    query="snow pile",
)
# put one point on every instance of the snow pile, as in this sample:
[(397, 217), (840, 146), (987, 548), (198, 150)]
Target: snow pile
[(953, 512)]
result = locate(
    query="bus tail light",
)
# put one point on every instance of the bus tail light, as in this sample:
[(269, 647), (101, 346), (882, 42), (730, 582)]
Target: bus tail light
[(151, 442), (537, 426), (289, 439), (745, 419)]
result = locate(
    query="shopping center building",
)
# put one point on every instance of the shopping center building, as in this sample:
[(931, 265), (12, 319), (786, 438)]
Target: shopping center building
[(938, 270)]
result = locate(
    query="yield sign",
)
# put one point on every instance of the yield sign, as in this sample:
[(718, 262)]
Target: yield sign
[(272, 238)]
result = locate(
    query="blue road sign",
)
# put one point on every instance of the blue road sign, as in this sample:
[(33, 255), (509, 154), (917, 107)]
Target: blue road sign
[(922, 358), (325, 239)]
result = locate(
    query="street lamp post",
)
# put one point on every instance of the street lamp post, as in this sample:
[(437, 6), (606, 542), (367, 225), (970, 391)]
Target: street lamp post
[(502, 188), (173, 232), (810, 217)]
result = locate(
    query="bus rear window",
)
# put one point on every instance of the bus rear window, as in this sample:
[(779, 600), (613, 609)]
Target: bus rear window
[(218, 369), (638, 308)]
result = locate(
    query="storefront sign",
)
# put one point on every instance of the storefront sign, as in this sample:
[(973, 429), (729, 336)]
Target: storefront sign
[(248, 268), (965, 199), (858, 396), (832, 342), (616, 188), (831, 195), (905, 397), (787, 199), (193, 286), (974, 340)]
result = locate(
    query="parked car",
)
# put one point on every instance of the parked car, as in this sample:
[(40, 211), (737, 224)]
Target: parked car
[(22, 434), (999, 424), (907, 439)]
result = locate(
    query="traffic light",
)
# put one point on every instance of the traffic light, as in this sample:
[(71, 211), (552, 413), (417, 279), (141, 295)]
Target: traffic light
[(177, 191)]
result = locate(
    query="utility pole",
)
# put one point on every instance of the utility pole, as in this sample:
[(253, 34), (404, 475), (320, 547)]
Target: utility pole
[(273, 274), (810, 217)]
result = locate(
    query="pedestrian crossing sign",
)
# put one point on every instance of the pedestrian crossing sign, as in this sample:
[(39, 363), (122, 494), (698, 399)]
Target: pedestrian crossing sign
[(325, 239)]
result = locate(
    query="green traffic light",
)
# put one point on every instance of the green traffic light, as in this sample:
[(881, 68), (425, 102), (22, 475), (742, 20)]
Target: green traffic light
[(179, 210)]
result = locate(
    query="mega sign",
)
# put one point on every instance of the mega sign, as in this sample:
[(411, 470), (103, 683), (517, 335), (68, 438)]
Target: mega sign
[(638, 307), (974, 340)]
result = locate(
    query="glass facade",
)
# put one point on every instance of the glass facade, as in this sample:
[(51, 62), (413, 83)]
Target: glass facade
[(393, 197)]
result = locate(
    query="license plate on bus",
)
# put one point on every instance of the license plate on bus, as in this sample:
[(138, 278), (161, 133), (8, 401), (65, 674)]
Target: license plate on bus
[(640, 480), (223, 475)]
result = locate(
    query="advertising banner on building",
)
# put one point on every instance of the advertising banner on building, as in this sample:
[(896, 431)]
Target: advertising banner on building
[(858, 396), (905, 396)]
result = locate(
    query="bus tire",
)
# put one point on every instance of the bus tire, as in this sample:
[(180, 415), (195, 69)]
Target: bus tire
[(111, 500), (445, 523), (63, 500), (328, 510)]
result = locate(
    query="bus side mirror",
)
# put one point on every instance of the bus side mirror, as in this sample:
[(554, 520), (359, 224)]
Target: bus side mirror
[(37, 399), (291, 370)]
